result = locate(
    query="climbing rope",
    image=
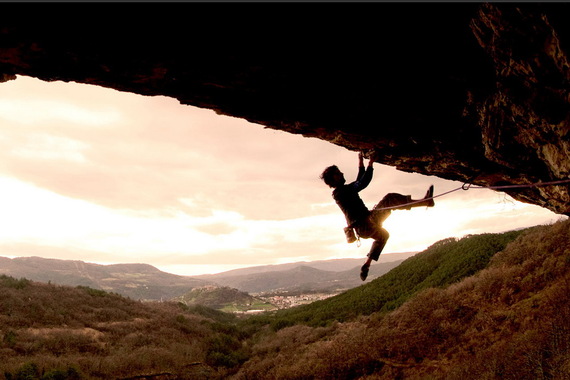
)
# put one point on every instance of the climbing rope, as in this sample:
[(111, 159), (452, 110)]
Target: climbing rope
[(466, 186)]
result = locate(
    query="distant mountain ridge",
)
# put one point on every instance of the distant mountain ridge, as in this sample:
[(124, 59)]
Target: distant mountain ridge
[(136, 281), (335, 265), (318, 276), (146, 282)]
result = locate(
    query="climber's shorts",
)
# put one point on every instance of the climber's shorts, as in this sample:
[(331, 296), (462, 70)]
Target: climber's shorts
[(372, 226)]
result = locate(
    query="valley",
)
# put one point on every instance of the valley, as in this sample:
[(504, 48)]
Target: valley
[(482, 305), (287, 284)]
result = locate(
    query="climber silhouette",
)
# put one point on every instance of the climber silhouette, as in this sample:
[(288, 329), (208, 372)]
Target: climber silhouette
[(368, 223)]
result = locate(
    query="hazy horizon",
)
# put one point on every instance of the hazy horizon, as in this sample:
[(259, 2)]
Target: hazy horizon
[(384, 258)]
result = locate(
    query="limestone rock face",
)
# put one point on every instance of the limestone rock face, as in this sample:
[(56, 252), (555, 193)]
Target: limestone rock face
[(463, 91)]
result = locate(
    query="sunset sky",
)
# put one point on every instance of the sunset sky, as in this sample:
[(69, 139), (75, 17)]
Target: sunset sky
[(93, 174)]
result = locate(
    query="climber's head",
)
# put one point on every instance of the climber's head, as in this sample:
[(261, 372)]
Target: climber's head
[(333, 177)]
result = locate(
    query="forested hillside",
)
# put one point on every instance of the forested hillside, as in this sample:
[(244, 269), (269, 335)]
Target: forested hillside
[(58, 332), (444, 263), (136, 281), (507, 321), (147, 283), (484, 306), (224, 299)]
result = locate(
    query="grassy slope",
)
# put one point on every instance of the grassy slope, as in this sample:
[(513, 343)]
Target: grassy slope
[(443, 263), (224, 299), (508, 321), (94, 334)]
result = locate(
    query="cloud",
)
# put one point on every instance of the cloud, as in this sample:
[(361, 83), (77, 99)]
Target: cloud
[(155, 153), (30, 111), (30, 249), (42, 147), (217, 228)]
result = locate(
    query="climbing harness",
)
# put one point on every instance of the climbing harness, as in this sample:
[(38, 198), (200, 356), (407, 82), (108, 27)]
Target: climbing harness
[(466, 186)]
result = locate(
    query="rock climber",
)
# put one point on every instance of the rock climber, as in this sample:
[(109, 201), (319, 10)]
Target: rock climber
[(368, 223)]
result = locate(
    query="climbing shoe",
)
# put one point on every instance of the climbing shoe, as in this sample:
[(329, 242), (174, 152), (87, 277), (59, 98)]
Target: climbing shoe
[(429, 197), (364, 272)]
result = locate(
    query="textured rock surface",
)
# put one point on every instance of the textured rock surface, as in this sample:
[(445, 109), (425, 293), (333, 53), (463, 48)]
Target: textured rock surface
[(464, 91)]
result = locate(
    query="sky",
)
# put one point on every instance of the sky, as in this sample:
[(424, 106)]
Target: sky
[(102, 176)]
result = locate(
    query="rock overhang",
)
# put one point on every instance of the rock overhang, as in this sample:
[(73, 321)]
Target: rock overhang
[(464, 91)]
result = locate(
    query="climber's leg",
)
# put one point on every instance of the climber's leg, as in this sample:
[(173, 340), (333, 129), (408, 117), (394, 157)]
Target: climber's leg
[(405, 201), (380, 240)]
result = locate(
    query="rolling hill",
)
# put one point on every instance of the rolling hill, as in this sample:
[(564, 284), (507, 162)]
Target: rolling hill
[(145, 282), (224, 299), (136, 281), (334, 265), (327, 276), (52, 331)]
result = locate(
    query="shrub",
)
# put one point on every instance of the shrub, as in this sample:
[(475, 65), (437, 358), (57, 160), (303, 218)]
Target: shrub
[(11, 282), (28, 371), (69, 374)]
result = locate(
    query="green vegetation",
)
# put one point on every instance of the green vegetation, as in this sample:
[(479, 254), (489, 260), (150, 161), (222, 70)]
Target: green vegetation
[(10, 282), (224, 299), (506, 321), (30, 371), (46, 328), (255, 306), (484, 306), (444, 263)]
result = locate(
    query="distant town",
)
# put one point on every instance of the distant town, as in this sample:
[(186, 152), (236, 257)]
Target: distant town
[(284, 300)]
